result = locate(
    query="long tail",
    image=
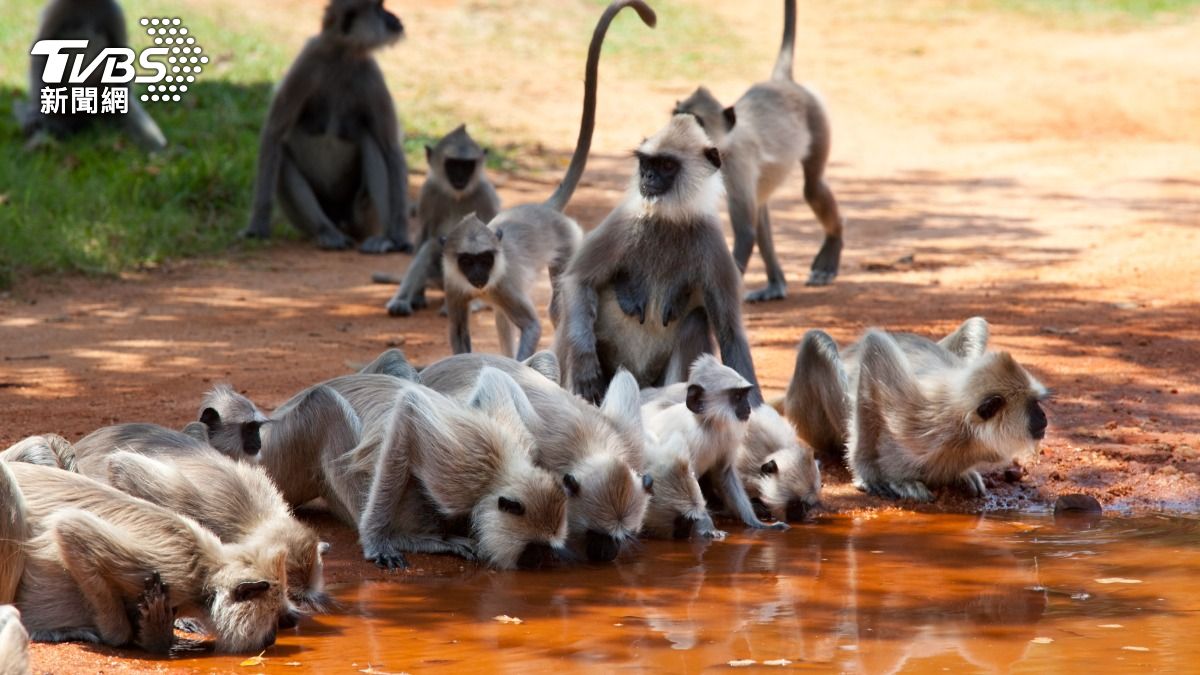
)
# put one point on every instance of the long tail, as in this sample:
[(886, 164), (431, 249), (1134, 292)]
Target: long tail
[(14, 531), (562, 194), (783, 63)]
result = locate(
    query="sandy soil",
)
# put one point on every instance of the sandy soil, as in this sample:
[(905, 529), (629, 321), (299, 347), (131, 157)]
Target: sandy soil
[(1042, 177)]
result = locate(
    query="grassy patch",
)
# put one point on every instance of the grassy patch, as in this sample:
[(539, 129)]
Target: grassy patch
[(1094, 12)]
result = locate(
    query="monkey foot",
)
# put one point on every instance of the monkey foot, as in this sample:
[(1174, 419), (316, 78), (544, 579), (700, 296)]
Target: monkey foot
[(462, 547), (820, 278), (333, 241), (973, 483), (156, 619), (399, 308), (254, 233), (379, 244), (774, 291), (907, 489), (387, 556), (777, 526)]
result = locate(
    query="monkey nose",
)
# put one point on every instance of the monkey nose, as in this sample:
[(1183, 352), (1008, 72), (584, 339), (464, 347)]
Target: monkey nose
[(289, 618), (797, 509), (601, 547), (535, 557), (270, 639), (683, 527)]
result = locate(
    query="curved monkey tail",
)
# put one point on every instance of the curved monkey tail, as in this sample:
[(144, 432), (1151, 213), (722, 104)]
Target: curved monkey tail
[(783, 63), (14, 532), (562, 194)]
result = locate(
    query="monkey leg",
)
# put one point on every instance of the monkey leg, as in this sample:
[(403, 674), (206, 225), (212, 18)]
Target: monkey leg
[(816, 401), (14, 642), (776, 288), (458, 310), (93, 551), (141, 127), (969, 340), (507, 334), (693, 339), (302, 208), (155, 619), (734, 494), (413, 286), (378, 187), (743, 212), (520, 313), (823, 204)]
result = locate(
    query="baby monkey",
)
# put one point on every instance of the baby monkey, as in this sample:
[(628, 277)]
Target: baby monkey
[(914, 413), (781, 475)]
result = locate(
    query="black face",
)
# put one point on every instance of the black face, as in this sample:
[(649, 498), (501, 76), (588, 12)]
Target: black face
[(535, 557), (1037, 421), (739, 400), (477, 267), (657, 174), (797, 510), (683, 527), (601, 547), (390, 21), (251, 438), (459, 172), (760, 509)]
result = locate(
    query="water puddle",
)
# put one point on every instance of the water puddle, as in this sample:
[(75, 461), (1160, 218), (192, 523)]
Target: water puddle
[(879, 593)]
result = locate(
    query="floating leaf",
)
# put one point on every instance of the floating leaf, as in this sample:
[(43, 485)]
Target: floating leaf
[(1111, 625), (1042, 640), (742, 663), (849, 648), (1130, 648), (1118, 580), (504, 618), (254, 660), (777, 662)]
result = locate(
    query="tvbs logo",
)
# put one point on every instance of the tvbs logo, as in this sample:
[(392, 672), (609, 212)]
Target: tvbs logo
[(167, 68)]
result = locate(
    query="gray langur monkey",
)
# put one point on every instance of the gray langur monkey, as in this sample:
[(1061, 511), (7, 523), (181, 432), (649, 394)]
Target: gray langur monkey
[(330, 148), (913, 413), (781, 475), (90, 553), (677, 506), (654, 283), (498, 261), (235, 501), (14, 643), (456, 187), (599, 452), (47, 450), (774, 126), (712, 415), (102, 24), (417, 448)]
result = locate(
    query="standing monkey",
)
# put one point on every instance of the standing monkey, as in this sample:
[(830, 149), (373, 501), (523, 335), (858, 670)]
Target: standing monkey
[(456, 187), (772, 127), (498, 261), (654, 283), (102, 24), (330, 148)]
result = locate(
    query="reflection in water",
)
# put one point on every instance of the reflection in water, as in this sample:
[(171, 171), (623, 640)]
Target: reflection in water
[(879, 594)]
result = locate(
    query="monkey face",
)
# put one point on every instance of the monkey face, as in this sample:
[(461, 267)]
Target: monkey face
[(363, 23), (459, 172), (787, 484), (676, 504), (477, 267), (249, 600), (739, 402), (656, 174), (525, 525), (708, 112), (1007, 412), (1037, 420)]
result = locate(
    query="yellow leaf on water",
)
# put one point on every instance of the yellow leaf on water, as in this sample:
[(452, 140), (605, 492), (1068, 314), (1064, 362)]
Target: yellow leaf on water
[(1118, 580), (292, 663), (504, 618), (742, 663), (777, 662), (1136, 649), (254, 660), (1111, 625), (1042, 640)]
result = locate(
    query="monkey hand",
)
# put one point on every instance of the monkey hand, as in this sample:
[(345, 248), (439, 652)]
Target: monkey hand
[(155, 619), (589, 382), (379, 244), (385, 554), (333, 240)]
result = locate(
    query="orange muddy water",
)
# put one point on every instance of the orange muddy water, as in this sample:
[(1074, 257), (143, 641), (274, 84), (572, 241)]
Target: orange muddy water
[(879, 593)]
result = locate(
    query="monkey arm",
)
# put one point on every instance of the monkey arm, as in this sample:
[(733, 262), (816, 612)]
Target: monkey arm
[(386, 175), (735, 494), (521, 312), (415, 279), (722, 300), (578, 333), (156, 482), (282, 116)]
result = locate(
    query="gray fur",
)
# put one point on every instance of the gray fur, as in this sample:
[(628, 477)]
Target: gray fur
[(94, 551), (392, 362), (14, 643), (102, 24), (654, 284), (330, 148), (235, 501), (441, 207), (914, 410), (498, 261), (602, 449), (790, 485), (47, 450), (778, 125)]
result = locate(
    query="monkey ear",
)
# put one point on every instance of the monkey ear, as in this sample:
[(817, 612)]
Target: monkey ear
[(210, 417), (511, 506), (730, 116), (713, 156), (648, 483), (969, 340), (622, 400), (695, 399), (990, 406), (769, 468), (572, 484), (248, 590), (428, 152), (197, 430)]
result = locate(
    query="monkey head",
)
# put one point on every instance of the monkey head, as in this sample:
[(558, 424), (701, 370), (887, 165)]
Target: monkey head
[(676, 503), (717, 392), (361, 24), (305, 565), (716, 120), (522, 524), (457, 160), (678, 170), (233, 422), (1000, 404), (781, 475), (247, 596), (472, 256)]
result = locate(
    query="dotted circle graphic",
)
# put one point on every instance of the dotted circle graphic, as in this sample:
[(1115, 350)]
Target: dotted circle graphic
[(186, 59)]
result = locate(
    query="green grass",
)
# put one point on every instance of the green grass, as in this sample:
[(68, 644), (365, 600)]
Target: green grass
[(1095, 12)]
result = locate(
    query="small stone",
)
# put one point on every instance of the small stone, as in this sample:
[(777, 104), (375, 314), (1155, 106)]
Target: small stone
[(1077, 503)]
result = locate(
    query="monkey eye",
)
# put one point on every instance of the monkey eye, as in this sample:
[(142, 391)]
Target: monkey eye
[(666, 166), (990, 406)]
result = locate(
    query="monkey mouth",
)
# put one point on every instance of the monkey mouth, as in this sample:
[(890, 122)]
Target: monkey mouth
[(477, 281), (602, 547), (459, 172)]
